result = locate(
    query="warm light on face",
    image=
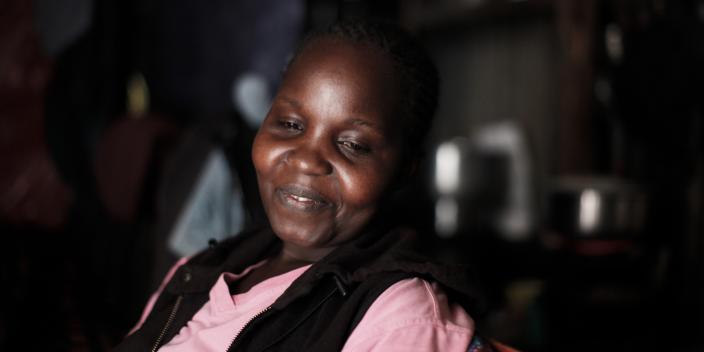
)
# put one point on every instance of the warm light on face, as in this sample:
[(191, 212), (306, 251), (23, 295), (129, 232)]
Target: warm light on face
[(327, 153)]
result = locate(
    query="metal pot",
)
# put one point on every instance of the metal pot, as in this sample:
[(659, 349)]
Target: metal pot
[(596, 207)]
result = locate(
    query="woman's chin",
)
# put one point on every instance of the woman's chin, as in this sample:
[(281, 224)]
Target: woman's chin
[(301, 236), (304, 247)]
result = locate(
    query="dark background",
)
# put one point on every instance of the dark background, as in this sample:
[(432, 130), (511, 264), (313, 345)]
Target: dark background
[(605, 96)]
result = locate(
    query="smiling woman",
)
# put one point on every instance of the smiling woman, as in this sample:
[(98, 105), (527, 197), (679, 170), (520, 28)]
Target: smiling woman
[(332, 272)]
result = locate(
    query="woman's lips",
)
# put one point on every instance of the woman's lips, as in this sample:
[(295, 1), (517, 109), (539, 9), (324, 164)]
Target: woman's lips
[(301, 198)]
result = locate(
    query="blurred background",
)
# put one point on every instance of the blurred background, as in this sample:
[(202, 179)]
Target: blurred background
[(565, 164)]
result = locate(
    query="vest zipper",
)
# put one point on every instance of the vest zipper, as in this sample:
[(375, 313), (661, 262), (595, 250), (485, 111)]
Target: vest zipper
[(338, 287), (172, 315), (232, 342)]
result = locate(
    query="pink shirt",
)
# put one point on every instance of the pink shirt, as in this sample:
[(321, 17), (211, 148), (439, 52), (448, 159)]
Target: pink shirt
[(411, 315)]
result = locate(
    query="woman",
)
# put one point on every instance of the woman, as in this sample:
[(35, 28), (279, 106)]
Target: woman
[(332, 273)]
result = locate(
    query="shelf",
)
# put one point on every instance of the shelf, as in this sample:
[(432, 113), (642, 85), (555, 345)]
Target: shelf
[(427, 16)]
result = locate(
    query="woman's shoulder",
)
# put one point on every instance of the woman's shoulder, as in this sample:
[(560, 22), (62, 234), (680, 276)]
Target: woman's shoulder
[(418, 300), (413, 312)]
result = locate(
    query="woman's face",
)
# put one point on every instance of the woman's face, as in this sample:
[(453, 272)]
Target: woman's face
[(330, 146)]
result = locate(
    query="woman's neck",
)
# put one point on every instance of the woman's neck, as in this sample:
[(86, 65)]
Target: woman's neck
[(294, 255), (274, 266)]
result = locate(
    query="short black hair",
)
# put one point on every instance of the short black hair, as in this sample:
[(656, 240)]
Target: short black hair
[(419, 76)]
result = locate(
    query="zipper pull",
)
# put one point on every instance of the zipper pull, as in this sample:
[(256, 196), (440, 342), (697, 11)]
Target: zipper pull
[(340, 286)]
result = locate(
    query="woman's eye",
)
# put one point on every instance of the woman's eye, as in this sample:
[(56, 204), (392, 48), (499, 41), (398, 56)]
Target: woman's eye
[(290, 125), (355, 147)]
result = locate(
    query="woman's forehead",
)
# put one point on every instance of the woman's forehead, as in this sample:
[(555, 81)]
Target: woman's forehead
[(351, 76), (342, 55)]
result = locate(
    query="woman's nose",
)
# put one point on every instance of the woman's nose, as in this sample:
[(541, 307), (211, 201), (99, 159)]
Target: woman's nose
[(310, 160)]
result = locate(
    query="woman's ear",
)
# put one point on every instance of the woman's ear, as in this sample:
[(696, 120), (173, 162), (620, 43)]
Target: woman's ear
[(408, 170), (402, 189)]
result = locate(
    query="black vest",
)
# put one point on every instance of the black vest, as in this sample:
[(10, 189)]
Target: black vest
[(316, 313)]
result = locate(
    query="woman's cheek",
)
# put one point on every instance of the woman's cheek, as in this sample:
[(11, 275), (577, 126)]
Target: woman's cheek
[(362, 186), (266, 152), (257, 157)]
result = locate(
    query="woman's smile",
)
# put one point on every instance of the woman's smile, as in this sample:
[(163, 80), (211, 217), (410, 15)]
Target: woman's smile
[(302, 198)]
